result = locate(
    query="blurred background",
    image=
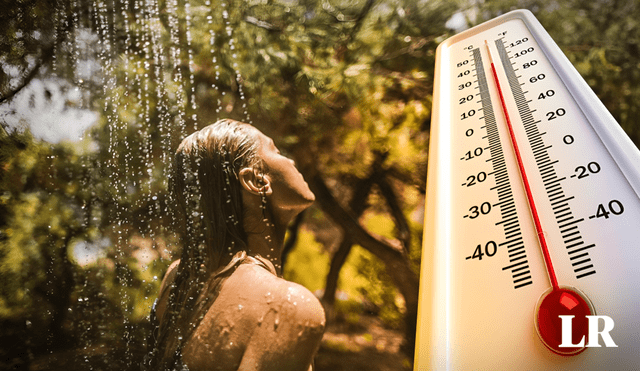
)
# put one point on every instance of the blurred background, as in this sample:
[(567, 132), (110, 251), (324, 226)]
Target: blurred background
[(95, 95)]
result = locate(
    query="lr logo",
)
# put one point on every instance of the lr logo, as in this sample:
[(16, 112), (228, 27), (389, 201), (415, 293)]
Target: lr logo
[(566, 321), (594, 332)]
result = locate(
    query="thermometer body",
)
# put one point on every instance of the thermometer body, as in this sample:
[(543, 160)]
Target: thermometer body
[(483, 269)]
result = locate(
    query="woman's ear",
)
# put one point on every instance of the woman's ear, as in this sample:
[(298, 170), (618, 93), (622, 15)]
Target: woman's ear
[(255, 182)]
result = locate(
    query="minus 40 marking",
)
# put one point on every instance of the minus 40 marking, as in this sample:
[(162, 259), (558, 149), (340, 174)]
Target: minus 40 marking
[(489, 249), (613, 208)]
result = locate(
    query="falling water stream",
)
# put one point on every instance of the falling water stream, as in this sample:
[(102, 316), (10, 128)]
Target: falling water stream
[(141, 53)]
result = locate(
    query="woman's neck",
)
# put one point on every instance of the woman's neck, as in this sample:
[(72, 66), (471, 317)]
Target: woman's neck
[(266, 241), (266, 231)]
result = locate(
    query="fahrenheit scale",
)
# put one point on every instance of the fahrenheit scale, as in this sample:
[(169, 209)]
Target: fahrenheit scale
[(533, 211)]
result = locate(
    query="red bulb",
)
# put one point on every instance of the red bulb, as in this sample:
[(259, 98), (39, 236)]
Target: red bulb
[(563, 301)]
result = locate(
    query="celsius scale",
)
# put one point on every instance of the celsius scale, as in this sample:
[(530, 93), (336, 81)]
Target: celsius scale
[(533, 212)]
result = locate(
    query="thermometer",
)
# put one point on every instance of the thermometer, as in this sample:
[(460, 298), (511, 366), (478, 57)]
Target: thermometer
[(532, 229)]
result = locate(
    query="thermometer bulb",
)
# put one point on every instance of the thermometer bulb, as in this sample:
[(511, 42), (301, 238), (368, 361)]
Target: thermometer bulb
[(563, 301)]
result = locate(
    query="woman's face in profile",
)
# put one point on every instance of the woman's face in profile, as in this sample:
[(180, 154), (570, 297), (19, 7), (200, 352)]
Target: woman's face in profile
[(290, 191)]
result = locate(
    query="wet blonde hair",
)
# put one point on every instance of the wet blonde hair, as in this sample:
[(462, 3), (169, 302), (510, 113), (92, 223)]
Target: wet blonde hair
[(208, 194)]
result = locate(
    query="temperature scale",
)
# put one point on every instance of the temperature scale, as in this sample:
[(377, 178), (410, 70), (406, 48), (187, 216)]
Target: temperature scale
[(533, 212)]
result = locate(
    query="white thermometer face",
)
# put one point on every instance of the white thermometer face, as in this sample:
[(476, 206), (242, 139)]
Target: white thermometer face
[(492, 215)]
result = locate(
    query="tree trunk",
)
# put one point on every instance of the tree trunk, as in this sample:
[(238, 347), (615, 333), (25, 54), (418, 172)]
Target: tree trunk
[(337, 261), (294, 230), (57, 290), (392, 255), (358, 205)]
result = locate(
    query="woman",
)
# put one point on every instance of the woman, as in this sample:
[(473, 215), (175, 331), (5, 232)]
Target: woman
[(223, 306)]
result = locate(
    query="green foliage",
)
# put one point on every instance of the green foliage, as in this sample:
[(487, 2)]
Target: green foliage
[(308, 263), (53, 208), (35, 218)]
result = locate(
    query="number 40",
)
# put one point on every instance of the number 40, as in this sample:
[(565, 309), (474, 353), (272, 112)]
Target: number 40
[(614, 207), (490, 249)]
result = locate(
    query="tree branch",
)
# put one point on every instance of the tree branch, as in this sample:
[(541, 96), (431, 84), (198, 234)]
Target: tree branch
[(382, 249), (363, 13), (47, 55), (342, 48), (402, 226), (261, 24), (294, 229)]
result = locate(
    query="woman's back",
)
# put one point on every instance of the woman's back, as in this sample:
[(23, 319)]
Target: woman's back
[(258, 321)]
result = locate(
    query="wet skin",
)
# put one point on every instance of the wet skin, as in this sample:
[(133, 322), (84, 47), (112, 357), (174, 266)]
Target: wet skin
[(260, 321)]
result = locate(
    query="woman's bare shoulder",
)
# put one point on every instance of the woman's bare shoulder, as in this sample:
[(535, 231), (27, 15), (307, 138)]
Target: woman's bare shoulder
[(269, 292), (266, 322), (286, 325)]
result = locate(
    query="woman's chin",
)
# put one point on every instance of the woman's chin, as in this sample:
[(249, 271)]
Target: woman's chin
[(311, 197)]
